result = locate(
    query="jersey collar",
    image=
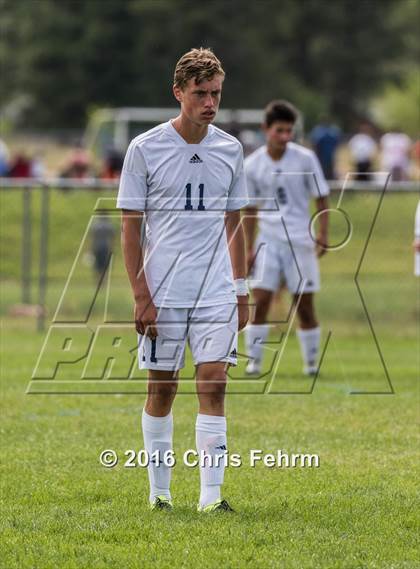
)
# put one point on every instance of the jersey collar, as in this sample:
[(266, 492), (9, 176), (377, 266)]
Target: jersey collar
[(277, 162), (173, 133)]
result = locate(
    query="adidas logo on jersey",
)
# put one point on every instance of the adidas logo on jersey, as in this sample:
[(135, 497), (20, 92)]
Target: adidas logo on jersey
[(195, 159), (233, 353)]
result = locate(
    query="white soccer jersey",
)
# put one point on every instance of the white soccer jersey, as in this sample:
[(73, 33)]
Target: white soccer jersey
[(184, 190), (395, 150), (283, 189)]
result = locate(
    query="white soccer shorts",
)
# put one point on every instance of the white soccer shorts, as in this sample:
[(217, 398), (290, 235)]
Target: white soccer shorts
[(276, 262), (211, 332)]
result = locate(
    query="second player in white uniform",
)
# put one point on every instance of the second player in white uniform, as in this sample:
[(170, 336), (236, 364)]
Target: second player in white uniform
[(283, 178), (416, 242)]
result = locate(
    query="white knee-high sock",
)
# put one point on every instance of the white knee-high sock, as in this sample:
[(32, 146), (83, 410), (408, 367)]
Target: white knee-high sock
[(309, 341), (255, 336), (211, 440), (157, 436)]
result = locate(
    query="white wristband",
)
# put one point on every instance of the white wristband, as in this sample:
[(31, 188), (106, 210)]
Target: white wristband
[(241, 287)]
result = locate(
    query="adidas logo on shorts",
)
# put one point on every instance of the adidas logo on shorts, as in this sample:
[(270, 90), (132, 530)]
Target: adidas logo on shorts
[(195, 159)]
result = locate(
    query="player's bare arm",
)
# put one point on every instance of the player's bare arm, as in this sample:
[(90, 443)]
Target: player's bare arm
[(144, 310), (249, 223), (236, 240), (322, 236)]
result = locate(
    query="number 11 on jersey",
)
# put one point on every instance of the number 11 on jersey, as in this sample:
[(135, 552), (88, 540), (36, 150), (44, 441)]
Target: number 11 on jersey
[(188, 204)]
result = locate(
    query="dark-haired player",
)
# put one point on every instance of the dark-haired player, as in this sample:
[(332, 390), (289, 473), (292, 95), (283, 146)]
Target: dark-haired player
[(282, 179)]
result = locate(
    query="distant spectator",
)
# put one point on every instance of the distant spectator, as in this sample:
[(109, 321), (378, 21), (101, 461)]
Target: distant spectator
[(37, 167), (4, 159), (78, 166), (20, 166), (112, 165), (416, 157), (325, 138), (102, 234), (395, 148), (363, 148)]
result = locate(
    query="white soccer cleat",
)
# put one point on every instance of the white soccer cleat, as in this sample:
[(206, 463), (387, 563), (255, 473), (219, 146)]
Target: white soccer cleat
[(253, 367), (310, 371)]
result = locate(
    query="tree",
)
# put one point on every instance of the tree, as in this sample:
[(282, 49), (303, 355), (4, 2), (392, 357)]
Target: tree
[(398, 106), (72, 55)]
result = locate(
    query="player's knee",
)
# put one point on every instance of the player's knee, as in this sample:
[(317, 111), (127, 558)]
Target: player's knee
[(307, 317), (212, 388), (215, 400), (163, 392), (261, 311), (263, 305), (213, 396)]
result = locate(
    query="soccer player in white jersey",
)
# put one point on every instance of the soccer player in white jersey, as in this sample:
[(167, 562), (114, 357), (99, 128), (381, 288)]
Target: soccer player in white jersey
[(416, 242), (282, 178), (185, 179)]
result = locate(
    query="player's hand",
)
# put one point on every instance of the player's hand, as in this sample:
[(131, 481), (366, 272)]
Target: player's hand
[(243, 311), (145, 315), (250, 257), (321, 245), (416, 245)]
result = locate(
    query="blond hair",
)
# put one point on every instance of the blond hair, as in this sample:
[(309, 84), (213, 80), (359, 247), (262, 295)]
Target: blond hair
[(200, 63)]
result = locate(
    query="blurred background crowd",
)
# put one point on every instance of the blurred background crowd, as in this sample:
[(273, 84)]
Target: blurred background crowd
[(362, 152), (352, 73)]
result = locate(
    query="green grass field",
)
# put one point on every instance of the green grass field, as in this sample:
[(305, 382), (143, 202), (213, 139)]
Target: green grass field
[(359, 509)]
